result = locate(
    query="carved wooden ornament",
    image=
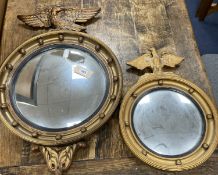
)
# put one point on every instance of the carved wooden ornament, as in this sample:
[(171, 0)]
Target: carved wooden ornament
[(59, 159), (61, 18)]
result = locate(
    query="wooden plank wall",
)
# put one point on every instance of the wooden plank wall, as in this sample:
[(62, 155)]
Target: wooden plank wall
[(129, 28)]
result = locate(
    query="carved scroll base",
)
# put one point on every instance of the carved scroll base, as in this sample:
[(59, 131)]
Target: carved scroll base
[(59, 159)]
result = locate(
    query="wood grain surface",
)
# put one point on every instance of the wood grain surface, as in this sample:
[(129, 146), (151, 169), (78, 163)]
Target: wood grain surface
[(129, 28), (3, 4)]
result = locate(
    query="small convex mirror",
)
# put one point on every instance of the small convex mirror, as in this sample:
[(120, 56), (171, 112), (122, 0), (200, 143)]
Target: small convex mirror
[(57, 88), (167, 121)]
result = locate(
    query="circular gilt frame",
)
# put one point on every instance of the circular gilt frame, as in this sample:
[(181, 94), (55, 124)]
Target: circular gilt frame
[(35, 135), (184, 162)]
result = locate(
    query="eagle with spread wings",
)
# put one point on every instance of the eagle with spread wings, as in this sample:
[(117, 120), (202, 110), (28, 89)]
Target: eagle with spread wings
[(60, 18), (153, 61)]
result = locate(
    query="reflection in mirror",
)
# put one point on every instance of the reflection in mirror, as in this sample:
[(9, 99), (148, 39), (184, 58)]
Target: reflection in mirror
[(59, 88), (168, 122)]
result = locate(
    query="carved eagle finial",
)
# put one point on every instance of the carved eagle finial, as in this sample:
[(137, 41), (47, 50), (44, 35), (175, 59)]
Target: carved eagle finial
[(155, 62), (60, 18)]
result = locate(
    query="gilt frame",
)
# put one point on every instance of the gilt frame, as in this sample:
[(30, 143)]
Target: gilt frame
[(170, 80), (35, 135)]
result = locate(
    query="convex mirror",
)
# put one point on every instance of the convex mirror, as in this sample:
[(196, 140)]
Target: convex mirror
[(167, 121), (57, 88)]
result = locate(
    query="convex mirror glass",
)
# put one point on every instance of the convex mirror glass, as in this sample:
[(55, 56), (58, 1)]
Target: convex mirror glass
[(59, 87), (168, 122)]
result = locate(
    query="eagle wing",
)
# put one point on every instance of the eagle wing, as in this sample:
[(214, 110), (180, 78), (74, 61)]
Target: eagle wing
[(141, 62), (171, 60), (81, 15), (36, 20)]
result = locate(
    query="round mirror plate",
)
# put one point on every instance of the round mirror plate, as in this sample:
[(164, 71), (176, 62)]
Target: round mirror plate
[(59, 87), (168, 122)]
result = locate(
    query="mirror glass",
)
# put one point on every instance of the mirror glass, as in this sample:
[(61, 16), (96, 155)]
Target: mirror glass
[(59, 87), (168, 122)]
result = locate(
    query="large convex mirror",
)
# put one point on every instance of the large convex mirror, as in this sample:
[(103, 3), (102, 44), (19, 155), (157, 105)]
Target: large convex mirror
[(59, 87), (168, 122)]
